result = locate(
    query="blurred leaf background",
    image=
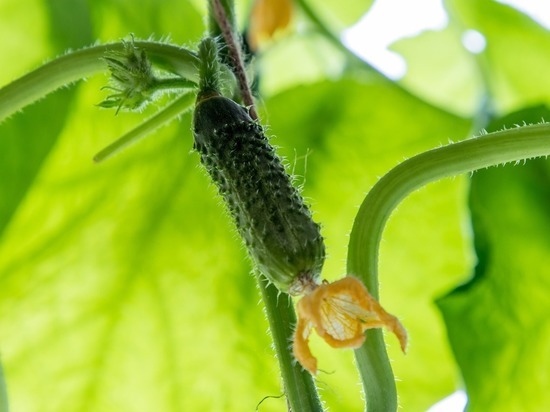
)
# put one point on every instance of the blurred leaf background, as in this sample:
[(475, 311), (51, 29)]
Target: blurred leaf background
[(124, 287)]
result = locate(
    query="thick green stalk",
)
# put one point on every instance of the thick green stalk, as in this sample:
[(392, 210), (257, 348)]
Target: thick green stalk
[(234, 51), (84, 63), (213, 26), (467, 156), (298, 384)]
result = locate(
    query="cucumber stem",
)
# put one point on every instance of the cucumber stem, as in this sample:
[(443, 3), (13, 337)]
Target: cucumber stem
[(299, 386), (235, 53), (467, 156), (84, 63)]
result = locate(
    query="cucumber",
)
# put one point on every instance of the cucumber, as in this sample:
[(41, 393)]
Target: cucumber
[(270, 214)]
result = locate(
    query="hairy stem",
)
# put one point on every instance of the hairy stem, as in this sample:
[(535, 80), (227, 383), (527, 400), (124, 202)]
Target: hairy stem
[(84, 63), (235, 53), (229, 10), (466, 156), (162, 118), (173, 83), (298, 384)]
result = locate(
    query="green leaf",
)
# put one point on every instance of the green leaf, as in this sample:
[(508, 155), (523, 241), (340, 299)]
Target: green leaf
[(116, 319), (502, 310), (25, 37), (126, 283), (38, 126), (23, 161), (70, 23), (333, 12), (498, 322), (515, 48), (448, 78), (318, 59), (453, 78), (177, 20)]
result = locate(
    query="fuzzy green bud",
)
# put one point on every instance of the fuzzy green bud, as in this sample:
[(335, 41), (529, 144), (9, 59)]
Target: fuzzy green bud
[(132, 77)]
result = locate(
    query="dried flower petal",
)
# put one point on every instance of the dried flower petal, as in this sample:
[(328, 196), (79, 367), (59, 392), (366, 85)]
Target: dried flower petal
[(267, 18), (340, 312)]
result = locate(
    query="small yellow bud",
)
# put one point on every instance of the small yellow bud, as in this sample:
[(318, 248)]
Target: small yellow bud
[(267, 18)]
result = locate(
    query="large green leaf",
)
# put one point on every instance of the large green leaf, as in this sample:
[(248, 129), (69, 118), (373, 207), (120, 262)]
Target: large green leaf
[(515, 49), (177, 20), (441, 70), (319, 59), (94, 316), (38, 126), (126, 284), (448, 78), (503, 309), (498, 322)]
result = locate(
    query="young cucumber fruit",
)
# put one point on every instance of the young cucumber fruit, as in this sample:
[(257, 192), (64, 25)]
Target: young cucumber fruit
[(276, 225)]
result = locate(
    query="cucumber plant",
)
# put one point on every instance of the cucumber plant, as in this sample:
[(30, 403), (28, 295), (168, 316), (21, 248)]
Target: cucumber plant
[(283, 240)]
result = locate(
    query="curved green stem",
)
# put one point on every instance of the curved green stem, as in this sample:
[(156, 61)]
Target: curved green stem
[(235, 53), (299, 387), (458, 158), (173, 83), (163, 117), (84, 63), (213, 26)]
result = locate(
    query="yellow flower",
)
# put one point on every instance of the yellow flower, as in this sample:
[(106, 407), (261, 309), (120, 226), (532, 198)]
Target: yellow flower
[(340, 312), (267, 18)]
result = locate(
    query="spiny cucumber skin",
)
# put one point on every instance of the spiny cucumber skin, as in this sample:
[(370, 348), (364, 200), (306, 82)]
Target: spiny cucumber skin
[(271, 216)]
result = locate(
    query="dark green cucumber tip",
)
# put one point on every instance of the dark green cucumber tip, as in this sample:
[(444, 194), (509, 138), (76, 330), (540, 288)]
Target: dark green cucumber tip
[(214, 112)]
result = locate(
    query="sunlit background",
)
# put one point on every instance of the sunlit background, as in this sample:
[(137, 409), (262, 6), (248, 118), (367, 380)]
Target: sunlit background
[(391, 20)]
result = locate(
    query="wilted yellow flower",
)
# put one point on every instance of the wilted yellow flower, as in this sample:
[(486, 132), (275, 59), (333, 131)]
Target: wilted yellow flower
[(340, 312), (267, 18)]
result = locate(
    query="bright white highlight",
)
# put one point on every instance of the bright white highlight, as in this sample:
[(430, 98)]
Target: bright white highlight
[(388, 21), (473, 41), (455, 402), (538, 10)]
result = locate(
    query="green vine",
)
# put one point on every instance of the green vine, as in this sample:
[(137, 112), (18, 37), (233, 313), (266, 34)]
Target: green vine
[(467, 156), (163, 117), (84, 63), (298, 384)]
